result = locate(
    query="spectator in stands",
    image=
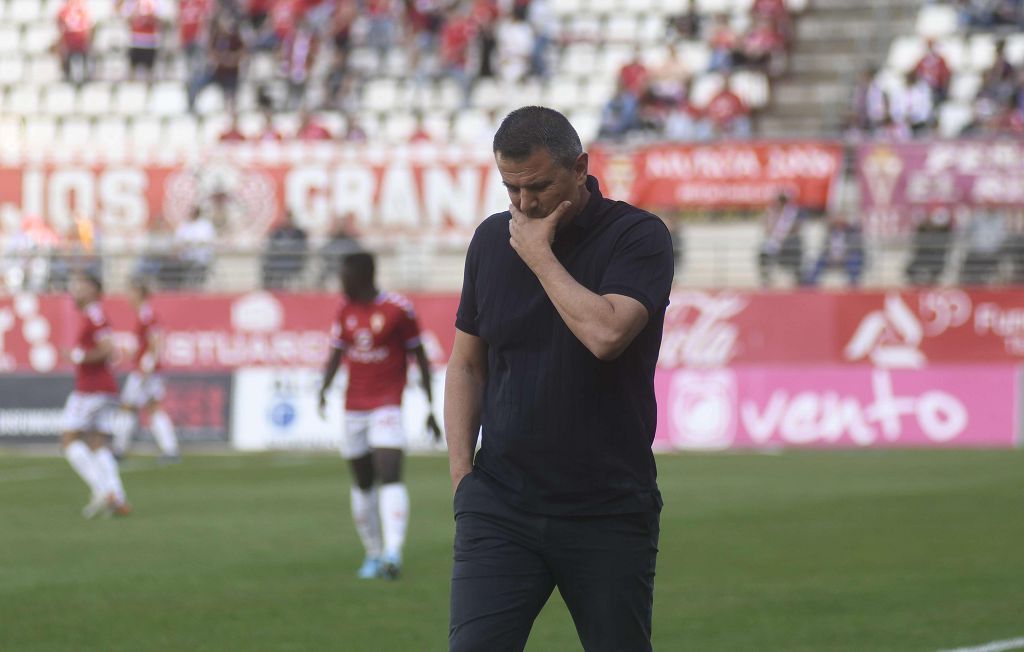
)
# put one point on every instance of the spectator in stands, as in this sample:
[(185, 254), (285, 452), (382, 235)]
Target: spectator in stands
[(484, 15), (424, 19), (934, 70), (913, 105), (382, 18), (194, 243), (456, 37), (542, 19), (685, 122), (284, 257), (344, 17), (669, 80), (634, 76), (986, 238), (310, 129), (620, 115), (341, 242), (723, 42), (232, 134), (144, 40), (298, 56), (930, 249), (870, 105), (763, 47), (76, 252), (75, 25), (226, 54), (193, 16), (515, 45), (159, 260), (844, 249), (684, 26), (986, 14), (729, 115), (995, 118), (999, 83), (256, 13), (783, 243), (777, 14)]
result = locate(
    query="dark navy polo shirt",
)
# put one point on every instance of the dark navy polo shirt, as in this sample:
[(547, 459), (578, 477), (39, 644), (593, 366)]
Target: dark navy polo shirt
[(564, 432)]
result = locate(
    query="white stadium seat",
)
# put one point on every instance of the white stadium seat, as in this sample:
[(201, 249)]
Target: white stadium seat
[(44, 70), (101, 10), (39, 38), (23, 12), (797, 6), (964, 86), (94, 99), (39, 133), (597, 93), (583, 27), (211, 100), (567, 7), (981, 51), (621, 28), (953, 117), (935, 21), (613, 56), (1015, 49), (696, 55), (22, 101), (146, 133), (469, 125), (752, 87), (652, 29), (445, 95), (59, 99), (579, 59), (12, 69), (486, 94), (905, 52), (10, 39), (111, 134), (710, 7), (704, 88), (380, 95), (562, 93), (587, 124), (130, 98), (600, 7), (954, 51), (168, 99), (74, 133), (10, 133), (399, 126)]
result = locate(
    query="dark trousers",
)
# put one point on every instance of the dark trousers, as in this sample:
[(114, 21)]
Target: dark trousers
[(507, 563)]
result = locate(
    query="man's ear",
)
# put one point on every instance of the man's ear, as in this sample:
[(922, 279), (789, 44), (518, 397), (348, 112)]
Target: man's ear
[(581, 167)]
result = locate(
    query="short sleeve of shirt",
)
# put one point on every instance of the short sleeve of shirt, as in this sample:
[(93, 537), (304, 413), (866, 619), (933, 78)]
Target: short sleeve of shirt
[(642, 265), (98, 326), (336, 341), (466, 316), (409, 327)]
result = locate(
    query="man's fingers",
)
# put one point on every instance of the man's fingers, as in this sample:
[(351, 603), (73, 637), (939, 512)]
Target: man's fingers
[(559, 212)]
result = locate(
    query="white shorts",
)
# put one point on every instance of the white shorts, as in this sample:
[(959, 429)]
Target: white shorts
[(89, 413), (140, 390), (366, 430)]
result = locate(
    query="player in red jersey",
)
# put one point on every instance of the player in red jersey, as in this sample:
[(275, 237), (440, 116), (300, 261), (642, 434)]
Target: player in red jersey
[(144, 388), (375, 332), (90, 408)]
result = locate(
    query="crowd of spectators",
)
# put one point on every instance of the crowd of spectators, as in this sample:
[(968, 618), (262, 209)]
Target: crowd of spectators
[(464, 40), (657, 100)]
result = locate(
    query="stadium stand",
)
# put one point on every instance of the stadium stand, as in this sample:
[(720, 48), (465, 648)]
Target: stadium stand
[(589, 44)]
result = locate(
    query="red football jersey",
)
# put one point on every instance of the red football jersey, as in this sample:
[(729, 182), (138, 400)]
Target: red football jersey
[(145, 327), (93, 377), (376, 339)]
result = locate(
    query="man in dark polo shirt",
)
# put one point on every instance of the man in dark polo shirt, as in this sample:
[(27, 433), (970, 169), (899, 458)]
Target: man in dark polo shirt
[(557, 338)]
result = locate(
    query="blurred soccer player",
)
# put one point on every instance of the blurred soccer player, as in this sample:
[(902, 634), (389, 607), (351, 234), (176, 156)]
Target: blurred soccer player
[(92, 404), (375, 332), (144, 389)]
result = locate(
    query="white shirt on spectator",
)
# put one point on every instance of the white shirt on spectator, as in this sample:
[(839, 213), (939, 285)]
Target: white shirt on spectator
[(197, 238)]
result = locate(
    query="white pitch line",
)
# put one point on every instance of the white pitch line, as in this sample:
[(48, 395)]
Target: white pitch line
[(994, 646)]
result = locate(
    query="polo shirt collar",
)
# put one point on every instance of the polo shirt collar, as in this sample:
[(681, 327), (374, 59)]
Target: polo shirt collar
[(590, 214)]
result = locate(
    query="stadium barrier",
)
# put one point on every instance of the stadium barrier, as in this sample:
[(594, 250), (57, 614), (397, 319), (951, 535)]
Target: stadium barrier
[(738, 369)]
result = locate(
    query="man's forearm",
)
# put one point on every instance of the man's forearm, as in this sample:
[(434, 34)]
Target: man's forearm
[(590, 316), (333, 362), (463, 397)]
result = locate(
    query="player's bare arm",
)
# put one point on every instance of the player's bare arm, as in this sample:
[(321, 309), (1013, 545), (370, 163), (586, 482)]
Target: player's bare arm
[(330, 370), (423, 362), (463, 401), (605, 324)]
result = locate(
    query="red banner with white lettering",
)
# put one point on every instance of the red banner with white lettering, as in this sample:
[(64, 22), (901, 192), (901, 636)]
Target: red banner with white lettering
[(421, 191), (703, 329), (731, 175)]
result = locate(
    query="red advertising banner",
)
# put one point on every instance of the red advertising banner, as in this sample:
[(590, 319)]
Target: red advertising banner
[(898, 180), (731, 175), (703, 329), (423, 190)]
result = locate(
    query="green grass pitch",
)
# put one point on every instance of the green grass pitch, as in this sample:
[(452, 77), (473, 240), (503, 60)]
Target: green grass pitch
[(799, 551)]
